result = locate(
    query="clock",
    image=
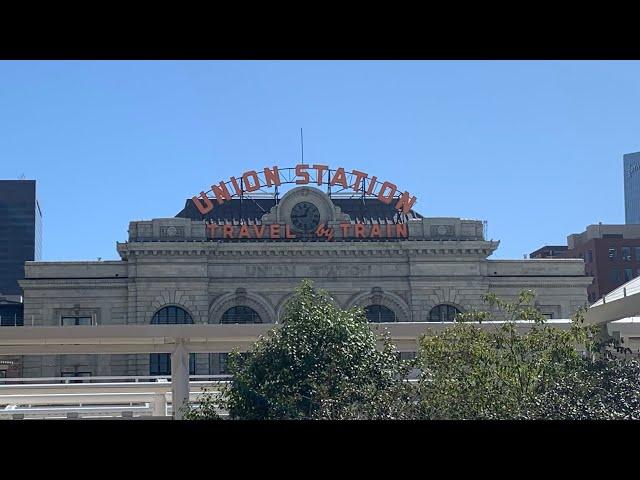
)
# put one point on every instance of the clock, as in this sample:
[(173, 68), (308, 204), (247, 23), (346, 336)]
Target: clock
[(305, 216)]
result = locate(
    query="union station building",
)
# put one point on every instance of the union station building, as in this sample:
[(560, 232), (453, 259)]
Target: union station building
[(235, 254)]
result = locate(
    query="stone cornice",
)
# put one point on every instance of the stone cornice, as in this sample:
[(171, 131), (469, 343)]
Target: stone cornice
[(475, 249)]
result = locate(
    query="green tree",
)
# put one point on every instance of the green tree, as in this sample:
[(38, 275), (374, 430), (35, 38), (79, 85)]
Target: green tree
[(470, 372), (206, 408), (605, 389), (321, 363)]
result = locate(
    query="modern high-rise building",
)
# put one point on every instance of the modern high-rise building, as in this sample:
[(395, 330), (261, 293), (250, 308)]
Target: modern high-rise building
[(632, 188), (20, 232)]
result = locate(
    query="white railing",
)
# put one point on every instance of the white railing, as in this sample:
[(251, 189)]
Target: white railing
[(128, 397)]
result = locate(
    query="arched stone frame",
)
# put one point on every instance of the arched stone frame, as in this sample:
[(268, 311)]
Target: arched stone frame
[(387, 299), (241, 298), (174, 298), (282, 305), (451, 304)]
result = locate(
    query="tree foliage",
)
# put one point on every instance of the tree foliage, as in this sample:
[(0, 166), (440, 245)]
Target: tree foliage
[(524, 371), (323, 362), (507, 362)]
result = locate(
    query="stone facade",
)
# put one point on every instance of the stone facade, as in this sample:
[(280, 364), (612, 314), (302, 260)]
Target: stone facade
[(170, 261)]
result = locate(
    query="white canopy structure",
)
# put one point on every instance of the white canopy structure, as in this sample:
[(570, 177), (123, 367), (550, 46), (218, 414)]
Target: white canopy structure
[(623, 302)]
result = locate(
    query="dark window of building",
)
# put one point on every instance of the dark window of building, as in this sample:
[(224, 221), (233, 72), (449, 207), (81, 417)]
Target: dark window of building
[(407, 355), (240, 314), (612, 253), (628, 274), (614, 275), (160, 363), (626, 253), (590, 256), (379, 314), (219, 363), (68, 320), (611, 235), (443, 313), (222, 362), (171, 315), (12, 315), (637, 249), (3, 374)]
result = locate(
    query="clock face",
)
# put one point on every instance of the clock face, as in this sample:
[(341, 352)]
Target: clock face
[(305, 216)]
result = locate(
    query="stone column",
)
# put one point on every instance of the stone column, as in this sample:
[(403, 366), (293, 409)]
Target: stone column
[(179, 379)]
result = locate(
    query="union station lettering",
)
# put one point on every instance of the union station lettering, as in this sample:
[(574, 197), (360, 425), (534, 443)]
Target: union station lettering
[(304, 174)]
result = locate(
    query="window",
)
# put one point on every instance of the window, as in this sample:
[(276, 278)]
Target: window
[(218, 363), (637, 249), (68, 320), (612, 253), (380, 314), (590, 256), (626, 253), (171, 315), (240, 314), (407, 355), (628, 274), (614, 275), (443, 313), (160, 363), (3, 374)]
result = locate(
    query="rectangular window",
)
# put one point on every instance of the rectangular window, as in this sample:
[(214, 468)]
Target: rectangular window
[(72, 320), (637, 249), (626, 253), (628, 274), (614, 275), (407, 355), (612, 253), (590, 256), (3, 374)]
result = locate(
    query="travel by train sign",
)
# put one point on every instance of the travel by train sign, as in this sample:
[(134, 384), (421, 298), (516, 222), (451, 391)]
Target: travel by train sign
[(304, 174), (284, 232)]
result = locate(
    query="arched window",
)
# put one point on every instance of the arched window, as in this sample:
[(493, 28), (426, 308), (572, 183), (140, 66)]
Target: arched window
[(240, 314), (160, 363), (443, 313), (171, 315), (380, 314)]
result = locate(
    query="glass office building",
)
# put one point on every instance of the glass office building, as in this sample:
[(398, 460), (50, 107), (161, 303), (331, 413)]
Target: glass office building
[(20, 232), (632, 188)]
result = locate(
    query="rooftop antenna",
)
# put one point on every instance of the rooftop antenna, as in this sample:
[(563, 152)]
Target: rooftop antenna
[(302, 144), (21, 177)]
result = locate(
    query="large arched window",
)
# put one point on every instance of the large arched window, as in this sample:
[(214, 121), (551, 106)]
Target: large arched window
[(240, 314), (171, 315), (160, 363), (443, 313), (380, 314)]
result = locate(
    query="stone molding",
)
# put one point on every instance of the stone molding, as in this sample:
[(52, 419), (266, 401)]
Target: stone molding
[(241, 298), (377, 296), (171, 298)]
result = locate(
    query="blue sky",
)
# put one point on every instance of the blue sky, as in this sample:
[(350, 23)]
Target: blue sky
[(533, 147)]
